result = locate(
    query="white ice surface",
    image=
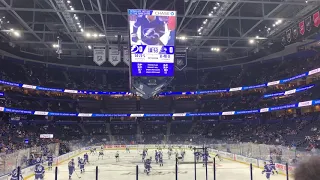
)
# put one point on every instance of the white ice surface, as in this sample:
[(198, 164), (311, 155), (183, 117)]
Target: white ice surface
[(109, 169)]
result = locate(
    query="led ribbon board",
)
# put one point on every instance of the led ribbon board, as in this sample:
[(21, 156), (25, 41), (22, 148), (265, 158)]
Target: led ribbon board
[(152, 40)]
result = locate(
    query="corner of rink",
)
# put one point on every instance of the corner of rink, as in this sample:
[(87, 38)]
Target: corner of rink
[(130, 166)]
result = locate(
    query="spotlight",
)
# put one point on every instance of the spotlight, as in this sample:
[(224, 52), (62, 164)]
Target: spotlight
[(16, 33), (251, 41), (183, 38), (89, 47)]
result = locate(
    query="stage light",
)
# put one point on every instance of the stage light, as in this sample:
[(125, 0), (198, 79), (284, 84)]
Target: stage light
[(16, 33), (251, 41), (88, 35), (55, 45), (89, 47)]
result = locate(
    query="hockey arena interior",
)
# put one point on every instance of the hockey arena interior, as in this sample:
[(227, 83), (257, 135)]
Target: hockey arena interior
[(153, 89)]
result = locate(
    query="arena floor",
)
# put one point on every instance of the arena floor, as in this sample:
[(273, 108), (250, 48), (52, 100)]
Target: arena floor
[(109, 169)]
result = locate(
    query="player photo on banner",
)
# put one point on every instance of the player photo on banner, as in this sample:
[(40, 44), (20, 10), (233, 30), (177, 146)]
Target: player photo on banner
[(152, 40), (99, 55), (126, 56), (114, 55)]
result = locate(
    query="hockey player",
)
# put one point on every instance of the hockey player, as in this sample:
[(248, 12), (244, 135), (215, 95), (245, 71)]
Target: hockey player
[(268, 170), (14, 175), (127, 150), (205, 157), (156, 156), (144, 154), (273, 167), (39, 172), (218, 156), (152, 29), (50, 161), (197, 154), (160, 159), (100, 155), (117, 156), (92, 151), (147, 166), (86, 158), (71, 168), (169, 154), (183, 152), (81, 165), (79, 158)]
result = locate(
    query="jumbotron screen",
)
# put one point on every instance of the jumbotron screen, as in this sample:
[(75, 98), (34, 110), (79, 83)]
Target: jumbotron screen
[(152, 40)]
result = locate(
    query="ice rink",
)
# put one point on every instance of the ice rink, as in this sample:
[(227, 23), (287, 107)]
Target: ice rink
[(109, 169)]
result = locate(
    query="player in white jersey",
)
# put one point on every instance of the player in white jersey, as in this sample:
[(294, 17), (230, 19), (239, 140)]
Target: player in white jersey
[(100, 155), (117, 156)]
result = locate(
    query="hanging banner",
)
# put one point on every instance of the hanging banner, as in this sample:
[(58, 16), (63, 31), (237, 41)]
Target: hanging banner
[(288, 34), (114, 55), (126, 57), (295, 32), (181, 60), (316, 19), (301, 27), (299, 31), (308, 23), (99, 55)]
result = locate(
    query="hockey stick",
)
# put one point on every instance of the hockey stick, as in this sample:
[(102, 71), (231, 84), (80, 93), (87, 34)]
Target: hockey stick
[(79, 177)]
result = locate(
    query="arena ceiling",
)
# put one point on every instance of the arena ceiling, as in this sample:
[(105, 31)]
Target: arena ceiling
[(212, 28)]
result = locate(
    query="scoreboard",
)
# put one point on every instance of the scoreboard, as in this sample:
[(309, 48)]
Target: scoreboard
[(152, 41)]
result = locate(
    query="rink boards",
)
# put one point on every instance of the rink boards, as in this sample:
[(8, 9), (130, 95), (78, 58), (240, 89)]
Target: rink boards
[(28, 172)]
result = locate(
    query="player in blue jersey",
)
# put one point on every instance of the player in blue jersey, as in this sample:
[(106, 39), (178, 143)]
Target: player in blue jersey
[(79, 158), (39, 171), (152, 29), (273, 166), (147, 166), (81, 165), (71, 168), (14, 175), (197, 154), (50, 161), (205, 158), (267, 169), (144, 154), (86, 158), (156, 156)]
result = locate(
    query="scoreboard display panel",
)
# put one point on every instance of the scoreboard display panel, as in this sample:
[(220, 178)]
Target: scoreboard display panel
[(152, 41)]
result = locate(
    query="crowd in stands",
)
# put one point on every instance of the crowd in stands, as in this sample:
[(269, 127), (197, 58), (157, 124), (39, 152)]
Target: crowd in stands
[(293, 128)]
